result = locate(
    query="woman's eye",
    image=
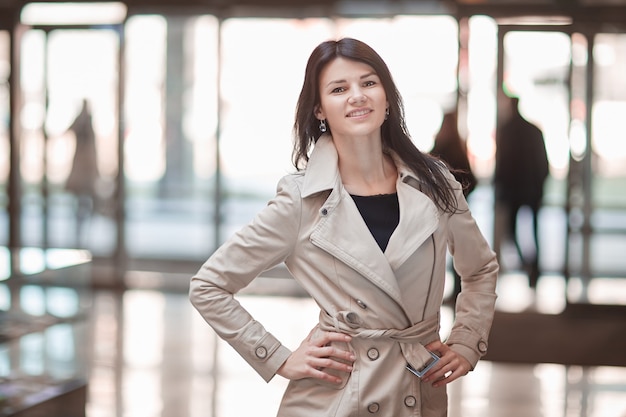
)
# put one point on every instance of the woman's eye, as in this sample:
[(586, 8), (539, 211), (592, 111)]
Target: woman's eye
[(369, 83), (338, 90)]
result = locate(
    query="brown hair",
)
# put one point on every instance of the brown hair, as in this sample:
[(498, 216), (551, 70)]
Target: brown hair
[(394, 132)]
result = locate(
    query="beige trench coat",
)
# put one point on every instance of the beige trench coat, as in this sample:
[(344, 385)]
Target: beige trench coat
[(388, 301)]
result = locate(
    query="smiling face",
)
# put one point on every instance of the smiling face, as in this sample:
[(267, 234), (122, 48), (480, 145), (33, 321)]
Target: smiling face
[(352, 99)]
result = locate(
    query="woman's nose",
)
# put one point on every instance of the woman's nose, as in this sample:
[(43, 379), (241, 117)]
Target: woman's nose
[(357, 96)]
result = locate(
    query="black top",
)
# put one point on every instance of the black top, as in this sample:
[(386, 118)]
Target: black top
[(381, 214)]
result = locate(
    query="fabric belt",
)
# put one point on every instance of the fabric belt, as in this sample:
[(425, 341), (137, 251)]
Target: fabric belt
[(411, 339)]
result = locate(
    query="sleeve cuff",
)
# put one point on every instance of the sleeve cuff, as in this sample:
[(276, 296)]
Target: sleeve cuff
[(471, 346), (271, 366)]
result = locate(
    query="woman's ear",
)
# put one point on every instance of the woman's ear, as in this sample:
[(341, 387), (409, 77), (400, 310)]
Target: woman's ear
[(319, 114)]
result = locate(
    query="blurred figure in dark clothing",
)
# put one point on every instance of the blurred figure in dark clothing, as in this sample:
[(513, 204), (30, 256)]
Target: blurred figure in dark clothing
[(84, 175), (520, 172), (452, 149)]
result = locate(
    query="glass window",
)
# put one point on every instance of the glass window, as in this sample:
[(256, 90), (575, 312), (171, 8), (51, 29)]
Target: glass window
[(69, 138), (82, 136), (4, 134), (263, 63), (609, 155), (170, 133), (609, 53)]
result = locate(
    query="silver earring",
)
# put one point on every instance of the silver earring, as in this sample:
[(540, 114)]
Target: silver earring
[(386, 113), (323, 127)]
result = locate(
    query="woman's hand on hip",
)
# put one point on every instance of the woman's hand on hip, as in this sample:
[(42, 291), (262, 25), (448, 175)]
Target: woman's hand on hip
[(316, 354), (451, 365)]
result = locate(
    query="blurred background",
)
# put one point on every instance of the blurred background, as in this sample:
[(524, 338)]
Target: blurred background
[(136, 136)]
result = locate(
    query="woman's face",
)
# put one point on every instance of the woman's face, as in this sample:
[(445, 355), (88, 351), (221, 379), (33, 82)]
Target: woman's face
[(352, 98)]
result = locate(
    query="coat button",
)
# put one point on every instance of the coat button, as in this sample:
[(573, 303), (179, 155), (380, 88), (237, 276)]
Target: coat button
[(482, 346), (352, 318), (373, 354), (373, 408), (324, 212), (261, 352), (361, 304), (410, 401)]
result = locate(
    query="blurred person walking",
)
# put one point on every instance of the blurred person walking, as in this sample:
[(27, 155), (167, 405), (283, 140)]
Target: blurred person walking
[(84, 175), (452, 149), (520, 173)]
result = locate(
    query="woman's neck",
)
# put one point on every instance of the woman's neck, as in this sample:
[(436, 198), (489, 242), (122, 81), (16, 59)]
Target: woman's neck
[(364, 168)]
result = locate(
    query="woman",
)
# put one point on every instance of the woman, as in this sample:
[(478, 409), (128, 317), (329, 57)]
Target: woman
[(364, 229)]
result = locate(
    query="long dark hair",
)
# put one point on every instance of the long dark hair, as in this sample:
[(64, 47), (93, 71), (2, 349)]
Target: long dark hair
[(395, 136)]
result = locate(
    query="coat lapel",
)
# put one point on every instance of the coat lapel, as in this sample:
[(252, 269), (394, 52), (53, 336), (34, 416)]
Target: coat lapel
[(419, 218), (342, 232)]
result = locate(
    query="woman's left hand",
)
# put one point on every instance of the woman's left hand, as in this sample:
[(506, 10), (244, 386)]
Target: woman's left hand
[(451, 365)]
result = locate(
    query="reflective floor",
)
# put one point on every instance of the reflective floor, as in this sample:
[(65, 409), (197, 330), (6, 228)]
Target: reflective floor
[(153, 356)]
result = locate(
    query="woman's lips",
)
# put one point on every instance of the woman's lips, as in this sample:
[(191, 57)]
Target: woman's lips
[(358, 113)]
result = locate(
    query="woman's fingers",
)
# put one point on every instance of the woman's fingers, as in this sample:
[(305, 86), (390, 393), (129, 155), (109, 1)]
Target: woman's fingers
[(327, 351), (325, 338), (450, 367), (316, 354), (333, 352), (332, 361)]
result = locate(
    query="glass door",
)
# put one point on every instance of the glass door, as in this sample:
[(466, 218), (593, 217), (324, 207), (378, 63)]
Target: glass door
[(530, 220), (606, 163), (569, 87), (68, 124)]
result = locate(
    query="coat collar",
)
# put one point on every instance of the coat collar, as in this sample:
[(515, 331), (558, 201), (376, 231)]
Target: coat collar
[(322, 171), (419, 218)]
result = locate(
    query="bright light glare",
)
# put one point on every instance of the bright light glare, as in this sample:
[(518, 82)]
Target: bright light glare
[(607, 141), (145, 146), (481, 101), (73, 13)]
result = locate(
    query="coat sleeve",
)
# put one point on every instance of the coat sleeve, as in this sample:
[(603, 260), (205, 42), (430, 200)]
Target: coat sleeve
[(262, 244), (478, 267)]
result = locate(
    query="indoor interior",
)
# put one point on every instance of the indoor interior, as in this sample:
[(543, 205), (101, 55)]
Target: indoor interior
[(192, 106)]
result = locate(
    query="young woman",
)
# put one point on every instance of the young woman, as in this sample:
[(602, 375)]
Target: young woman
[(363, 226)]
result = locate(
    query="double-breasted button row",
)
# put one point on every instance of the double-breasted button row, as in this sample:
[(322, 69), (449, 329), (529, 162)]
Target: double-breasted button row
[(410, 401), (324, 211)]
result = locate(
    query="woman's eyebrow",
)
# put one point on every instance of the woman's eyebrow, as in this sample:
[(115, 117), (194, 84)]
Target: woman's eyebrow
[(343, 81)]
